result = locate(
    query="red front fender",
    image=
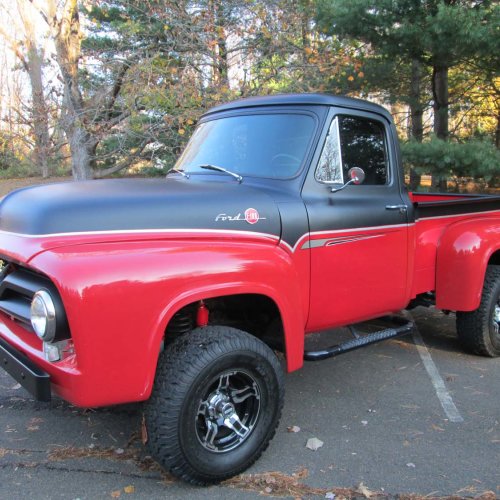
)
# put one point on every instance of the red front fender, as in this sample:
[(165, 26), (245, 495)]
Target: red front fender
[(120, 296), (462, 256)]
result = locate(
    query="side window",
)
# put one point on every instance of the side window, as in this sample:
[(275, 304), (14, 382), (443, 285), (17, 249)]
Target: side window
[(330, 163), (354, 142)]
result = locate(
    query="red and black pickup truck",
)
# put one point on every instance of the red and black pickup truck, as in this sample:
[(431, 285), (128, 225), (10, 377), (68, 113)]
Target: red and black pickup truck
[(285, 215)]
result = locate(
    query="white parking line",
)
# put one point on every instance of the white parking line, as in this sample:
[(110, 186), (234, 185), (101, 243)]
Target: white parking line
[(439, 386)]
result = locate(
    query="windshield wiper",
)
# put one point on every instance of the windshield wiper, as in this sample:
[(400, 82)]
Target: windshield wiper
[(178, 171), (238, 177)]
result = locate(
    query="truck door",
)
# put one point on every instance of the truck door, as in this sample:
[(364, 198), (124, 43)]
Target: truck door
[(358, 240)]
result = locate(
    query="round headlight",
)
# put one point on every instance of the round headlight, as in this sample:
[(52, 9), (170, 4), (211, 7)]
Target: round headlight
[(43, 316)]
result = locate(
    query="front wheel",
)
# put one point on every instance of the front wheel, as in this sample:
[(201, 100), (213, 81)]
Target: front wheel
[(215, 405), (479, 330)]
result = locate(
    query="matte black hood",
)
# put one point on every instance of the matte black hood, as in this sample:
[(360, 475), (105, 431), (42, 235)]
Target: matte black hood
[(138, 204)]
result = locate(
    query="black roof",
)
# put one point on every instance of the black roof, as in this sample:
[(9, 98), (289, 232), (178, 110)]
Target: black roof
[(302, 99)]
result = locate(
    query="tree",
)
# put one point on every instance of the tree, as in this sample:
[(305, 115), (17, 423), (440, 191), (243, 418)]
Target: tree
[(155, 67), (85, 119), (31, 53), (437, 33), (461, 162)]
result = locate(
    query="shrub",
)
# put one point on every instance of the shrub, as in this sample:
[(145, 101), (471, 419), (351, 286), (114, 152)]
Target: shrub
[(458, 162)]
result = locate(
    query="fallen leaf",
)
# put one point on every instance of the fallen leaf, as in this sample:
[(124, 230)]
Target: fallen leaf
[(301, 473), (144, 431), (129, 489), (314, 444), (116, 494), (487, 495), (437, 428), (293, 428), (472, 488), (365, 491)]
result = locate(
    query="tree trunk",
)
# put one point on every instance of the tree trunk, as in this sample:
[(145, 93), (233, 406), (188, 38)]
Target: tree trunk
[(82, 149), (305, 33), (39, 111), (497, 132), (416, 115), (495, 180), (416, 107), (67, 36), (220, 55), (440, 95), (82, 144)]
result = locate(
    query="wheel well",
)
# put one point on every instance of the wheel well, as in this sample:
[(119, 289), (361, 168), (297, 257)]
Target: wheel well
[(252, 313), (495, 259)]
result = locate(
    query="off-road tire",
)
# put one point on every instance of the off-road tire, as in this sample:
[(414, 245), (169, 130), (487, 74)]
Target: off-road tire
[(476, 329), (185, 375)]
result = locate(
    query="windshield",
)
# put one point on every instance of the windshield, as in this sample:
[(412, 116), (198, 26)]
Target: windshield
[(262, 145)]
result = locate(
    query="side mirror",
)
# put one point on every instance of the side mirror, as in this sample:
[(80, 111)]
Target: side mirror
[(356, 176)]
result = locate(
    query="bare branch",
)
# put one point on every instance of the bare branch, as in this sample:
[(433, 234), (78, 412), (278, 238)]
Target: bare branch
[(126, 162), (14, 46)]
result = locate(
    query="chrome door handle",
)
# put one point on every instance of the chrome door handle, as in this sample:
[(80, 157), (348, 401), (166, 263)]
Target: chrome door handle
[(402, 208)]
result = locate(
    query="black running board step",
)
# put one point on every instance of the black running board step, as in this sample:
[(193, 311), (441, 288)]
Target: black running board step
[(404, 328)]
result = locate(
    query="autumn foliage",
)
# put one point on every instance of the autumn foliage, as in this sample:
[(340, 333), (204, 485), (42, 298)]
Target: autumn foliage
[(121, 84)]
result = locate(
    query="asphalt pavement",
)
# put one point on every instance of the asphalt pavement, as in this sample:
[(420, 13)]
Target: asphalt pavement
[(413, 415)]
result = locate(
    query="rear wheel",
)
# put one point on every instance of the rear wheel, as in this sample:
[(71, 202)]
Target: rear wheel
[(479, 330), (215, 405)]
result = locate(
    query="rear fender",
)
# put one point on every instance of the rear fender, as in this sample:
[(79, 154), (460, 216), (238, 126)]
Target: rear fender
[(463, 253)]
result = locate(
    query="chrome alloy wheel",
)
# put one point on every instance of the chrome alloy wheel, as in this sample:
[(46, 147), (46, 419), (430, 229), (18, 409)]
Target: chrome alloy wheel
[(496, 317), (229, 411)]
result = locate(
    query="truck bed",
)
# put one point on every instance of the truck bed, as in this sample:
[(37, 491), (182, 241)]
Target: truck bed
[(434, 212), (441, 203)]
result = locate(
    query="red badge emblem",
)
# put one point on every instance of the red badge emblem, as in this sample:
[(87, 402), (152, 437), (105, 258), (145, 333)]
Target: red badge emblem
[(252, 216)]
